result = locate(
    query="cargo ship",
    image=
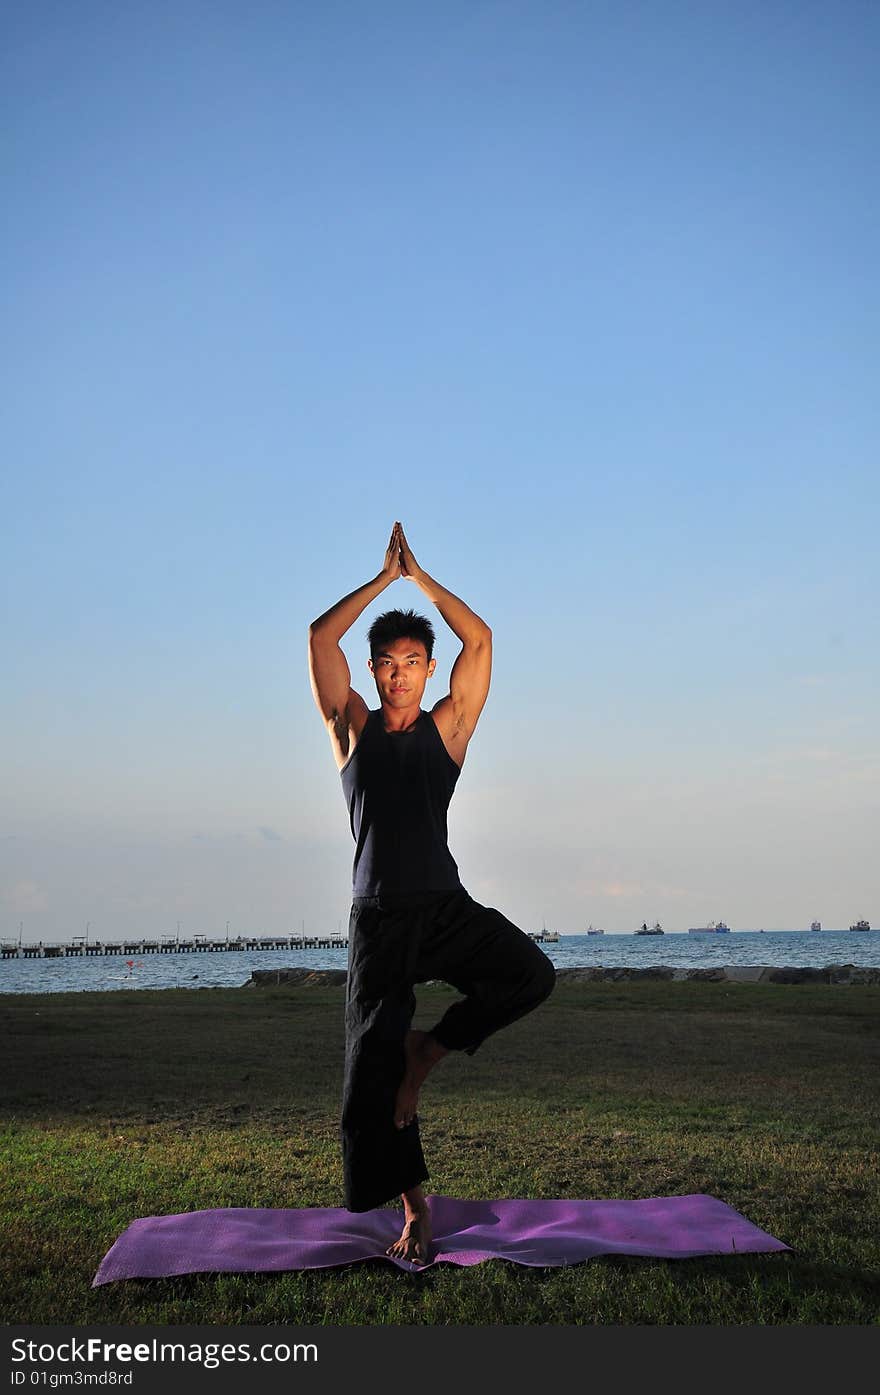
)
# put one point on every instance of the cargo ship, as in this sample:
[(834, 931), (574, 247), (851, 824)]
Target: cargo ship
[(860, 925), (715, 928), (654, 930)]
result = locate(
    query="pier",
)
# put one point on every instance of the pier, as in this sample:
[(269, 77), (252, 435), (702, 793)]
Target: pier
[(197, 944)]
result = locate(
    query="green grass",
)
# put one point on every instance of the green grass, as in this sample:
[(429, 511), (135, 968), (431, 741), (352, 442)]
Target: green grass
[(127, 1104)]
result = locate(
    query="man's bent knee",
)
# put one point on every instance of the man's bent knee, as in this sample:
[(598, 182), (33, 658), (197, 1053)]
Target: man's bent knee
[(544, 979)]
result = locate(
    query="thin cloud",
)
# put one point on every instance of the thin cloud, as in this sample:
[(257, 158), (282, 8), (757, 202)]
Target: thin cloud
[(617, 890), (24, 896), (846, 763)]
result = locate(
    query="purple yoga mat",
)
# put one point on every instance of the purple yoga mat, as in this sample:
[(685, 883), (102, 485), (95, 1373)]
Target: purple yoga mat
[(239, 1240)]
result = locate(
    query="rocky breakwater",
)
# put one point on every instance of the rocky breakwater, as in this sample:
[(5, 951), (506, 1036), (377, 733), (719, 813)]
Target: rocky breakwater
[(295, 978), (743, 973), (738, 973)]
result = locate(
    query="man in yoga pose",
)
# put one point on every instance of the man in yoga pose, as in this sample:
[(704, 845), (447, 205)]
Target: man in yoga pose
[(411, 919)]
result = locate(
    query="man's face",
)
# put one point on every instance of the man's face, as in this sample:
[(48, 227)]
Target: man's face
[(401, 670)]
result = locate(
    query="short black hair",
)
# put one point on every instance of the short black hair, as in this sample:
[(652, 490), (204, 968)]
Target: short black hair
[(400, 624)]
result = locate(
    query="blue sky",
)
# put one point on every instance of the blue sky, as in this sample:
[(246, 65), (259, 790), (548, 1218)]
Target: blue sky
[(585, 294)]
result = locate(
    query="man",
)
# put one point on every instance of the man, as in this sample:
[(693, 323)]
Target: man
[(411, 918)]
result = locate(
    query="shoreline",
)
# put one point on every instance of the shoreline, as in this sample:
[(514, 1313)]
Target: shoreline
[(834, 975)]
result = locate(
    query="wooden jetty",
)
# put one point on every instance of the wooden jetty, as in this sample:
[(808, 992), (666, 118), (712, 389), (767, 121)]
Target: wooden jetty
[(197, 944)]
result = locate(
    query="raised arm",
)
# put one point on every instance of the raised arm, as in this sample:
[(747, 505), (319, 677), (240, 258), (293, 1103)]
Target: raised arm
[(472, 670), (328, 666)]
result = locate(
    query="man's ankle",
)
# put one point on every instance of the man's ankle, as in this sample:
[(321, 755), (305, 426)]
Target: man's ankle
[(433, 1049), (415, 1203)]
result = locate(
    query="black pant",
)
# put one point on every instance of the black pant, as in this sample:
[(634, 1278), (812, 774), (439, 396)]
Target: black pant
[(394, 941)]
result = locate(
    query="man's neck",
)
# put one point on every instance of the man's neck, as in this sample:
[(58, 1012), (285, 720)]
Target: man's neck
[(397, 719)]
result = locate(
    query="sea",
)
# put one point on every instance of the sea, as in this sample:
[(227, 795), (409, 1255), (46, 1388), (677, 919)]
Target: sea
[(232, 968)]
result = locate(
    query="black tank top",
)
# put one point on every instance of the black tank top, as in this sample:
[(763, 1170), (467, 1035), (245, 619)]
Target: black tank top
[(398, 786)]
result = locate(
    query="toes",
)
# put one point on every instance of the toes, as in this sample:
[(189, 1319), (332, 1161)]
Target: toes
[(402, 1249)]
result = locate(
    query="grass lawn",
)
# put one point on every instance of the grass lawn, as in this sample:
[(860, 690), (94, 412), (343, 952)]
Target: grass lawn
[(118, 1105)]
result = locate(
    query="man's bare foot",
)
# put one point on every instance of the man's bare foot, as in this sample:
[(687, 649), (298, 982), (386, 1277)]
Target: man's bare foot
[(416, 1238), (422, 1052)]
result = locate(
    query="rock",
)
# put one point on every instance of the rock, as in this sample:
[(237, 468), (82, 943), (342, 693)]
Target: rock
[(614, 975), (655, 971), (295, 978), (789, 975), (850, 973), (864, 975)]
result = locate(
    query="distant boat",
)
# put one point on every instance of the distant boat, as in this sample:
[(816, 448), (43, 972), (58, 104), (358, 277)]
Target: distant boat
[(816, 925), (714, 928), (860, 925), (654, 930), (548, 937), (592, 931)]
